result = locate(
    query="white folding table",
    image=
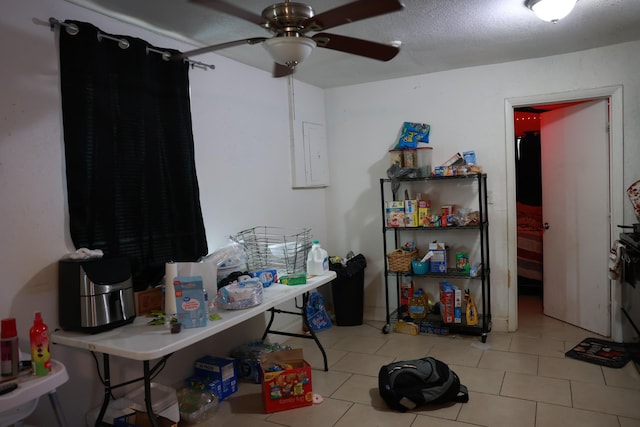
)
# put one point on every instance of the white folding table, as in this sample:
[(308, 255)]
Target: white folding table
[(142, 342)]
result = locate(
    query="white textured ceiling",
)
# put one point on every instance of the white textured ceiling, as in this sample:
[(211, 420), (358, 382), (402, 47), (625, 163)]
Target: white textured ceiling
[(436, 35)]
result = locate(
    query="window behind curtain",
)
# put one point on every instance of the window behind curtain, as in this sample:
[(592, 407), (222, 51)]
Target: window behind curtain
[(129, 152)]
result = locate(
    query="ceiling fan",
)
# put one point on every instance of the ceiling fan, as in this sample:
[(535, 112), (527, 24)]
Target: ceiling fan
[(290, 22)]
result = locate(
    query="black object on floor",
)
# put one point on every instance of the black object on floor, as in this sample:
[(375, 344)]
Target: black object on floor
[(601, 352), (348, 291)]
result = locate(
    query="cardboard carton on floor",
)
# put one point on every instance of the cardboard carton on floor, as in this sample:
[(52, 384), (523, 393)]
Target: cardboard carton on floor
[(287, 380)]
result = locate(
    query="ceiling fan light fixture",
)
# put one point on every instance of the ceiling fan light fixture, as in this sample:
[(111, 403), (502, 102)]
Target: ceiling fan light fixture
[(289, 51), (551, 10)]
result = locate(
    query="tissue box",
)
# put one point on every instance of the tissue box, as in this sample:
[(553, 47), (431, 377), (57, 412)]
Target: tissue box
[(287, 380), (190, 303), (219, 368)]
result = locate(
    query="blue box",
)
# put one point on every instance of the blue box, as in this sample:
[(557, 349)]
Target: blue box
[(219, 368), (190, 303)]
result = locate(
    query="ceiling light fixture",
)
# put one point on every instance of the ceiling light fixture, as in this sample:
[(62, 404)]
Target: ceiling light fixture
[(289, 51), (551, 10)]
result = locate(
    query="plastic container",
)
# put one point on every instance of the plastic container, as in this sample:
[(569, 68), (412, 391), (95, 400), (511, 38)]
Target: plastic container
[(418, 305), (9, 349), (317, 260), (164, 401), (39, 339), (424, 156)]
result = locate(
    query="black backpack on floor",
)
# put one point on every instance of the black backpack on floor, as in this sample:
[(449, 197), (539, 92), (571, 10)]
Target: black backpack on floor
[(412, 383)]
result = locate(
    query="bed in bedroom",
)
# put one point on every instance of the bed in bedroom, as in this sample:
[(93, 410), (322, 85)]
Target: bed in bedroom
[(529, 241)]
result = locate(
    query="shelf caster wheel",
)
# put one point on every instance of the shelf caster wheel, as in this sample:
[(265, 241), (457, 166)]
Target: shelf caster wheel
[(484, 338), (386, 328)]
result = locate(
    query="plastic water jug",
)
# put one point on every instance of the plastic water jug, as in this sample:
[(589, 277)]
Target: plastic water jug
[(317, 260)]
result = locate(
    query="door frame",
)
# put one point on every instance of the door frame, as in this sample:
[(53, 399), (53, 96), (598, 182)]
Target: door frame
[(616, 189)]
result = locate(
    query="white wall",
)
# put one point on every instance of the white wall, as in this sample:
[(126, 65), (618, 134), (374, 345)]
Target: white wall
[(465, 109), (242, 143)]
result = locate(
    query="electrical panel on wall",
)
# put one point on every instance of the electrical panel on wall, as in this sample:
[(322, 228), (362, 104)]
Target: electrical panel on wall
[(310, 164)]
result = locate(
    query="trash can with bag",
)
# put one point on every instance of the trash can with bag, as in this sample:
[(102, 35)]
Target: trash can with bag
[(348, 290)]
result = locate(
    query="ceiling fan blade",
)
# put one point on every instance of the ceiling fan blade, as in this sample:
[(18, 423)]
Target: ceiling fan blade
[(366, 48), (351, 12), (200, 51), (280, 70), (222, 6)]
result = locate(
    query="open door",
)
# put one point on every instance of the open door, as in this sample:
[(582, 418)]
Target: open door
[(575, 200)]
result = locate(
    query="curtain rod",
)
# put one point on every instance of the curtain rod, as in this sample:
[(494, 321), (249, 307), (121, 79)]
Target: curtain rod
[(123, 43)]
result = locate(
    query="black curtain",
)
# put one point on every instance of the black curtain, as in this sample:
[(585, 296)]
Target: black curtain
[(131, 177)]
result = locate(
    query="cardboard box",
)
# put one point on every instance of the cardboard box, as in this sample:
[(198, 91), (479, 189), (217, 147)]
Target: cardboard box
[(411, 213), (447, 297), (289, 387), (424, 210), (148, 300), (457, 305), (439, 258), (192, 308), (394, 213), (222, 369)]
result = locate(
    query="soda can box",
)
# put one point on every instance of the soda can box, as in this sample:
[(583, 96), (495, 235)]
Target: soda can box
[(394, 213), (222, 369), (190, 302), (287, 380)]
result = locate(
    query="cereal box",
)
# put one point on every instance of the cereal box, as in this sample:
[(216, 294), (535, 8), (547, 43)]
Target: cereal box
[(394, 213)]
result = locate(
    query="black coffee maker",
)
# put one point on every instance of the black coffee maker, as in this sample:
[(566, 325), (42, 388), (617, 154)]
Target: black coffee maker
[(96, 294)]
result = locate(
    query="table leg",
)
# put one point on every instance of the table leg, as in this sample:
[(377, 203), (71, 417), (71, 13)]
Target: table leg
[(147, 395), (303, 313), (57, 409), (107, 390)]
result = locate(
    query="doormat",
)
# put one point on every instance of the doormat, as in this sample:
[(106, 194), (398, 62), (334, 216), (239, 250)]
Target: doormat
[(601, 352)]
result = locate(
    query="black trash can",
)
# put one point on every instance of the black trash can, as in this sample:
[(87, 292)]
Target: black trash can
[(348, 291)]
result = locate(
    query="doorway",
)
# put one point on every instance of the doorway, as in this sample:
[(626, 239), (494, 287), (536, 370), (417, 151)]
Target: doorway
[(614, 94)]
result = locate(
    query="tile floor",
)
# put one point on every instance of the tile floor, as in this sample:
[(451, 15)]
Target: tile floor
[(515, 379)]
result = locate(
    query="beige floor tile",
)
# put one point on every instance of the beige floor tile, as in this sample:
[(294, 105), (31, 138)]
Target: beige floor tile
[(359, 344), (407, 347), (539, 346), (570, 369), (541, 389), (497, 411), (325, 383), (629, 422), (626, 377), (428, 421), (560, 416), (364, 415), (363, 364), (609, 400), (456, 352), (507, 361), (479, 379), (360, 389), (324, 414)]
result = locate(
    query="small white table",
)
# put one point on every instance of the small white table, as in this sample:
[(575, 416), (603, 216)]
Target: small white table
[(139, 341), (21, 402)]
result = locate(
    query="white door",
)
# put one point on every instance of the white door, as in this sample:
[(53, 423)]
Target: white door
[(575, 204)]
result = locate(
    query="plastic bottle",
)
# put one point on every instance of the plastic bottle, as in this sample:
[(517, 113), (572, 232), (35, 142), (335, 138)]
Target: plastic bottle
[(418, 305), (9, 349), (317, 260), (40, 356)]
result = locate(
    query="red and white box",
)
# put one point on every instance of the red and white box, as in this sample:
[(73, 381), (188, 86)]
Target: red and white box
[(286, 380)]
